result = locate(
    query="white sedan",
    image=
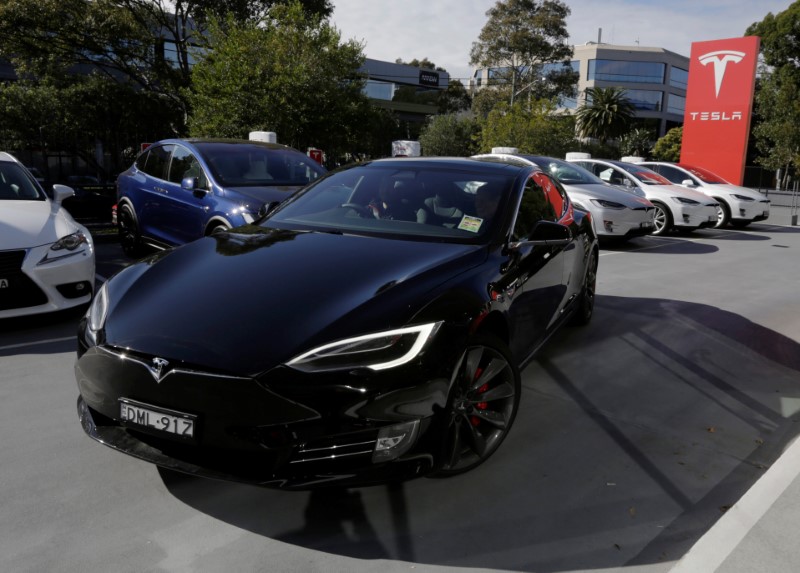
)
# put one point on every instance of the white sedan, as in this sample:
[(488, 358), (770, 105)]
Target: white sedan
[(46, 259), (738, 206), (616, 214), (676, 207)]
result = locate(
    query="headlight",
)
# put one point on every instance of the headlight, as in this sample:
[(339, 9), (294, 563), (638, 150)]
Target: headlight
[(377, 351), (70, 242), (65, 247), (743, 198), (96, 315), (685, 201), (607, 204)]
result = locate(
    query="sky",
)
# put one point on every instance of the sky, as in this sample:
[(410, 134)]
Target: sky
[(443, 30)]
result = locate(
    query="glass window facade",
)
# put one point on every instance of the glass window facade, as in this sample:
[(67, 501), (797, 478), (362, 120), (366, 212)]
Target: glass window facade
[(626, 72), (676, 104), (647, 100), (379, 90), (678, 78)]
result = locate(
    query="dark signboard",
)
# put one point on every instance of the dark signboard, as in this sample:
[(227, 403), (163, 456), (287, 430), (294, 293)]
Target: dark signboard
[(429, 78)]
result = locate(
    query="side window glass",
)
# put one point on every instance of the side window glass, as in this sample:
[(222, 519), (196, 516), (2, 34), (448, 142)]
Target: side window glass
[(157, 161), (555, 195), (673, 174), (183, 165), (534, 207), (142, 160)]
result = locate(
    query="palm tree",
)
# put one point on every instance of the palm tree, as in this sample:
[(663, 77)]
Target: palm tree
[(607, 115)]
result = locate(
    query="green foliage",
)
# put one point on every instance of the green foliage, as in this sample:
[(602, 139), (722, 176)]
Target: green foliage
[(532, 129), (449, 135), (608, 116), (289, 74), (777, 101), (668, 148), (636, 142), (518, 38)]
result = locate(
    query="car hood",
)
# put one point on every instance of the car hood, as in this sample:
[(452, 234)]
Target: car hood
[(608, 193), (731, 189), (27, 224), (250, 299), (664, 192)]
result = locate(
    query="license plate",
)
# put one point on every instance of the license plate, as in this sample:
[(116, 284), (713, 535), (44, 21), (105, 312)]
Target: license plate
[(164, 421)]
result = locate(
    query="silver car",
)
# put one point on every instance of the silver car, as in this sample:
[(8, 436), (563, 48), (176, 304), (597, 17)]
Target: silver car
[(616, 214), (676, 207)]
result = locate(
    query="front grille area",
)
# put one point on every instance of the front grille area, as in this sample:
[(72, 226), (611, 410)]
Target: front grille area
[(17, 290), (340, 448)]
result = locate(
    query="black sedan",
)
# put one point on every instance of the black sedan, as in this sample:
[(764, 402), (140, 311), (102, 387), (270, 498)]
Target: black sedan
[(370, 328)]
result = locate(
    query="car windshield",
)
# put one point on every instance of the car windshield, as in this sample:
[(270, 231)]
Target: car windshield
[(704, 175), (645, 175), (253, 165), (566, 173), (17, 185), (412, 201)]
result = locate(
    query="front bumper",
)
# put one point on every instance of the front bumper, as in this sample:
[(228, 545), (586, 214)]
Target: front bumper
[(33, 287), (694, 216), (750, 211), (610, 223), (288, 430)]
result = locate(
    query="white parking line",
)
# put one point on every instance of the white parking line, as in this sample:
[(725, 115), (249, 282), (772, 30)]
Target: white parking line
[(36, 342), (718, 543)]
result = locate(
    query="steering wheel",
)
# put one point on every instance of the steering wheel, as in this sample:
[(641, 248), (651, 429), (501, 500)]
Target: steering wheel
[(360, 209)]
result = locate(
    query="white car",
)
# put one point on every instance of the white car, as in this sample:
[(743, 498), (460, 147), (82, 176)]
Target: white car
[(738, 206), (676, 207), (617, 214), (46, 258)]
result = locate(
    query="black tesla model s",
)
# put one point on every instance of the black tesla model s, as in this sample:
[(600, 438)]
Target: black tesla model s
[(370, 328)]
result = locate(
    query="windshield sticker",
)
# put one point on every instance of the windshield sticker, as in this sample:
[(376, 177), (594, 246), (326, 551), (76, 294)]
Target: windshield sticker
[(471, 224)]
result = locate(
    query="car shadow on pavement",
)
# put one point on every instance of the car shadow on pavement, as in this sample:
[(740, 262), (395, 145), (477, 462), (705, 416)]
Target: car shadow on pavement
[(634, 436), (662, 245), (50, 333)]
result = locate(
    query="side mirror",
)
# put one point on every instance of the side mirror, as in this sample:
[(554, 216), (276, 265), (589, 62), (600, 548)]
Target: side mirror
[(687, 183), (546, 233), (627, 182), (61, 192)]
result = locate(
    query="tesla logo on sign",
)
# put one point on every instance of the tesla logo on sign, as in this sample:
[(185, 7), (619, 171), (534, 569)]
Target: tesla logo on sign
[(3, 283), (720, 59), (719, 102)]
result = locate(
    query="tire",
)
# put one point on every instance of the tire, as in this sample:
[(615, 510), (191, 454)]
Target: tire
[(662, 219), (482, 405), (585, 311), (723, 214), (216, 228), (130, 239)]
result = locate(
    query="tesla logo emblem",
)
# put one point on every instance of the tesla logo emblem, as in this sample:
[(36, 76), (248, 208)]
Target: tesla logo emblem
[(720, 60), (157, 369), (3, 283)]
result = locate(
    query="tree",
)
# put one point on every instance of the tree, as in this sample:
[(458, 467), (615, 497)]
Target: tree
[(607, 114), (777, 100), (534, 128), (525, 44), (449, 135), (148, 43), (636, 142), (668, 148), (288, 74)]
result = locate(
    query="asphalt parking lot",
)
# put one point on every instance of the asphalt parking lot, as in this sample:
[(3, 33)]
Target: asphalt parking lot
[(635, 436)]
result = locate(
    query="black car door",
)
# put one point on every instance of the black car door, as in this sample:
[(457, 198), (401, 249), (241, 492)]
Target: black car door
[(534, 281)]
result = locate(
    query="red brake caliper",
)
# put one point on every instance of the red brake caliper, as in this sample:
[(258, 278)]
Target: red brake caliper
[(474, 420)]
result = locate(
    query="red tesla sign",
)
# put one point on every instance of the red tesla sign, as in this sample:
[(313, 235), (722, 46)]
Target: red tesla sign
[(719, 100)]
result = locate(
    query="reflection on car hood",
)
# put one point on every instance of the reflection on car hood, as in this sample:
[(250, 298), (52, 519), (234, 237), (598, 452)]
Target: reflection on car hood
[(252, 298), (608, 193), (26, 224), (730, 189), (663, 192), (261, 194)]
